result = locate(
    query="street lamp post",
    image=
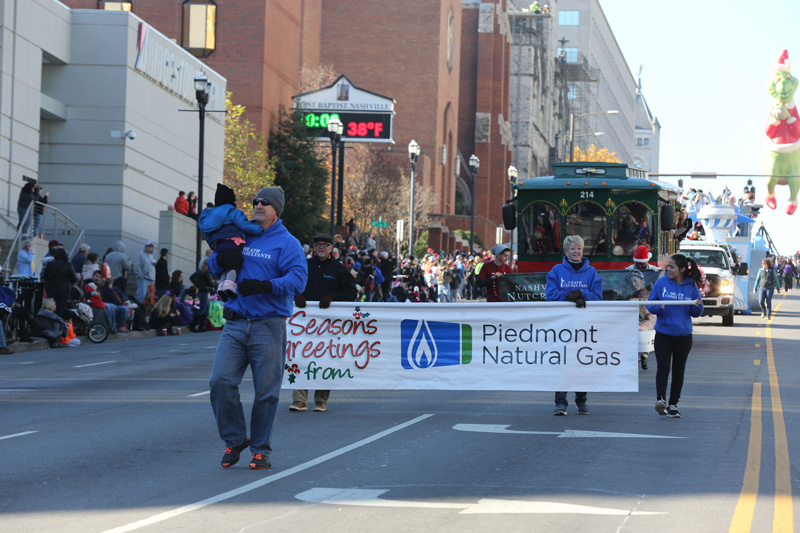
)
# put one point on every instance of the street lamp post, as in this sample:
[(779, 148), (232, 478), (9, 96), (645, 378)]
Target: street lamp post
[(474, 165), (572, 135), (201, 87), (335, 129), (413, 156), (513, 173)]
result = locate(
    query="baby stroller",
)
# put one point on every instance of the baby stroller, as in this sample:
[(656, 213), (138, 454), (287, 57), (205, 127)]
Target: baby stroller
[(86, 321)]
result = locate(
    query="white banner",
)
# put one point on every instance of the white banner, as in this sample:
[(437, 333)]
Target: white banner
[(542, 346)]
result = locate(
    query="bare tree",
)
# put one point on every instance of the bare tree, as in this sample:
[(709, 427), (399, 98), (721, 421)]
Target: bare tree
[(375, 187)]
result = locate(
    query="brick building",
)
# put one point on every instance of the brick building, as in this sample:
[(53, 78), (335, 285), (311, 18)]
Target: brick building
[(484, 127), (411, 51), (408, 51)]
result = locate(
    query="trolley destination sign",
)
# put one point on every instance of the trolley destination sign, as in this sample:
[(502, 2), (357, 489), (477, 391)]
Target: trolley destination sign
[(366, 116)]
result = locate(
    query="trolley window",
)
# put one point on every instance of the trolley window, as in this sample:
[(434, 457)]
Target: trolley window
[(588, 220), (631, 226), (539, 231)]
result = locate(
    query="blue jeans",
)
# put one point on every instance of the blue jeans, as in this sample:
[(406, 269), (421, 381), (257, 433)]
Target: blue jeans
[(260, 344), (765, 299), (21, 213), (444, 292), (37, 223), (141, 289), (203, 297), (117, 316), (561, 398)]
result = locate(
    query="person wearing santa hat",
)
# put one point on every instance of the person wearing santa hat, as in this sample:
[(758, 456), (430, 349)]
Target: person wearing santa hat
[(640, 259)]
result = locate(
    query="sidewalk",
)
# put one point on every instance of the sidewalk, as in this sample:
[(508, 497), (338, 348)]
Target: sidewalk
[(20, 347)]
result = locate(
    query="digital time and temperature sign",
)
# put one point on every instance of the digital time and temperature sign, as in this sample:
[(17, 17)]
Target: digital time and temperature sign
[(359, 127)]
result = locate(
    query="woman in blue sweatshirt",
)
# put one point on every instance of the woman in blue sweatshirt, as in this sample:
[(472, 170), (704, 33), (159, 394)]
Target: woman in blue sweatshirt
[(674, 328)]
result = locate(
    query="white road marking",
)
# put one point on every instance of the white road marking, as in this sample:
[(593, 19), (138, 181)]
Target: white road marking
[(95, 364), (213, 346), (265, 481), (27, 362), (115, 351), (370, 498), (200, 394), (497, 428), (18, 435)]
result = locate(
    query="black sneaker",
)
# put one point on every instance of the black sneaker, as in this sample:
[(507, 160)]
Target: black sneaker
[(232, 453), (673, 412), (561, 410), (643, 360), (583, 409), (259, 462)]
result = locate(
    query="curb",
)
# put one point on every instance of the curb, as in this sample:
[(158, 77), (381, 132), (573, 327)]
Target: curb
[(22, 347)]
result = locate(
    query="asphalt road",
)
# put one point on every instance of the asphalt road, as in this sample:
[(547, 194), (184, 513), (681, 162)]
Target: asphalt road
[(120, 436)]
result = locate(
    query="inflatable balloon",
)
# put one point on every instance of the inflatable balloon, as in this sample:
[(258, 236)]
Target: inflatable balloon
[(782, 148)]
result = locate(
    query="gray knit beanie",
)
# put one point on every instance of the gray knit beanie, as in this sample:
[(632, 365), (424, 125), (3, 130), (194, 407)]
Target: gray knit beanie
[(274, 195)]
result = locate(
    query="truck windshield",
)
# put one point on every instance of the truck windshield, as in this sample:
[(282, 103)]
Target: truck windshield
[(708, 258)]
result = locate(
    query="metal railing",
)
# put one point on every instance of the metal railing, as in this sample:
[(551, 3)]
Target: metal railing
[(54, 224)]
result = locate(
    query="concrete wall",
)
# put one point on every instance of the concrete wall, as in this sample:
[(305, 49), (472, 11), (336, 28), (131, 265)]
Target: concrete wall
[(176, 233), (72, 82)]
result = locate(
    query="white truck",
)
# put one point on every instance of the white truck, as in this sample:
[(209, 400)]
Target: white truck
[(719, 261)]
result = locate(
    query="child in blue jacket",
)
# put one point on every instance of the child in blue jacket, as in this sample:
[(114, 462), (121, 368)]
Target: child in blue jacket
[(223, 228), (673, 340)]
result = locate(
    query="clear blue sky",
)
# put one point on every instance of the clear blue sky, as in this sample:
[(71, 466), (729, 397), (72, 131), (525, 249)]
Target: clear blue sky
[(706, 69)]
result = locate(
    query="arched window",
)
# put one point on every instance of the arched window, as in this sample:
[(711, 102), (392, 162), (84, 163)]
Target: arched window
[(539, 229), (631, 226), (588, 220)]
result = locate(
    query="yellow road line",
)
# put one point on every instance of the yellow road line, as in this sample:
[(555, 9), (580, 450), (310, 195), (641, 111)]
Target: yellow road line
[(745, 508), (783, 517)]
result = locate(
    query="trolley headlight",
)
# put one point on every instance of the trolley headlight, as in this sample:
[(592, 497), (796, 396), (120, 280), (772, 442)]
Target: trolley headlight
[(726, 286)]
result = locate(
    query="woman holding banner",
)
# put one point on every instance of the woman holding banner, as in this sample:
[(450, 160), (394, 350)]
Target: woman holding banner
[(573, 281), (674, 328)]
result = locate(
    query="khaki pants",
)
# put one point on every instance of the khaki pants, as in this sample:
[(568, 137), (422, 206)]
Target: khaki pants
[(301, 395)]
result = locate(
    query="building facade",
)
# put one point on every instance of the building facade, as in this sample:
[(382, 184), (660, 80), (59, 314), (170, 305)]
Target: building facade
[(257, 45), (484, 118), (647, 135), (599, 79), (93, 108), (539, 90)]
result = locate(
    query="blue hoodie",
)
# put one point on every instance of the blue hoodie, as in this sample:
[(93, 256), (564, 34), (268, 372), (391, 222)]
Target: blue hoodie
[(224, 222), (675, 320), (563, 279), (274, 255)]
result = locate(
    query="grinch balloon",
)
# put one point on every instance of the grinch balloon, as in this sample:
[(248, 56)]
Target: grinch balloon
[(782, 148)]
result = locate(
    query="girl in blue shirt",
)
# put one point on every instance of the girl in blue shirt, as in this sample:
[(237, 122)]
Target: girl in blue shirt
[(674, 328)]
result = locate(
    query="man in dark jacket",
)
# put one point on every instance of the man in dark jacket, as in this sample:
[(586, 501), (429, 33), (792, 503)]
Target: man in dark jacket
[(328, 281), (162, 274), (58, 279)]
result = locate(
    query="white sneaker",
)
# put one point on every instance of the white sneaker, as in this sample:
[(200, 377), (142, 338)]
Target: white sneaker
[(661, 407)]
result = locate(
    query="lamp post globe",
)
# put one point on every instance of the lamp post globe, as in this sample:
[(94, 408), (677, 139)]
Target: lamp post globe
[(474, 165), (512, 174), (413, 156)]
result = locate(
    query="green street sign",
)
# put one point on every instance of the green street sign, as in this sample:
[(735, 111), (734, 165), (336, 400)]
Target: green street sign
[(378, 224)]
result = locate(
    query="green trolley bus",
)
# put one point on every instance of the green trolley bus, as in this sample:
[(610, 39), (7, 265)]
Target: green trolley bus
[(613, 207)]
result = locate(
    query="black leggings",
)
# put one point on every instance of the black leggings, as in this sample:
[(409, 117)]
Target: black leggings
[(676, 350)]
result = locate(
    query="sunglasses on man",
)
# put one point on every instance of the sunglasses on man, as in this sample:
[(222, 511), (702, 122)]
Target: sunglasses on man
[(264, 203)]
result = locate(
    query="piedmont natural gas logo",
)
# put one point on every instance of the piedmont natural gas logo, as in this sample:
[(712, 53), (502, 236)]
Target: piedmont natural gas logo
[(426, 344)]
